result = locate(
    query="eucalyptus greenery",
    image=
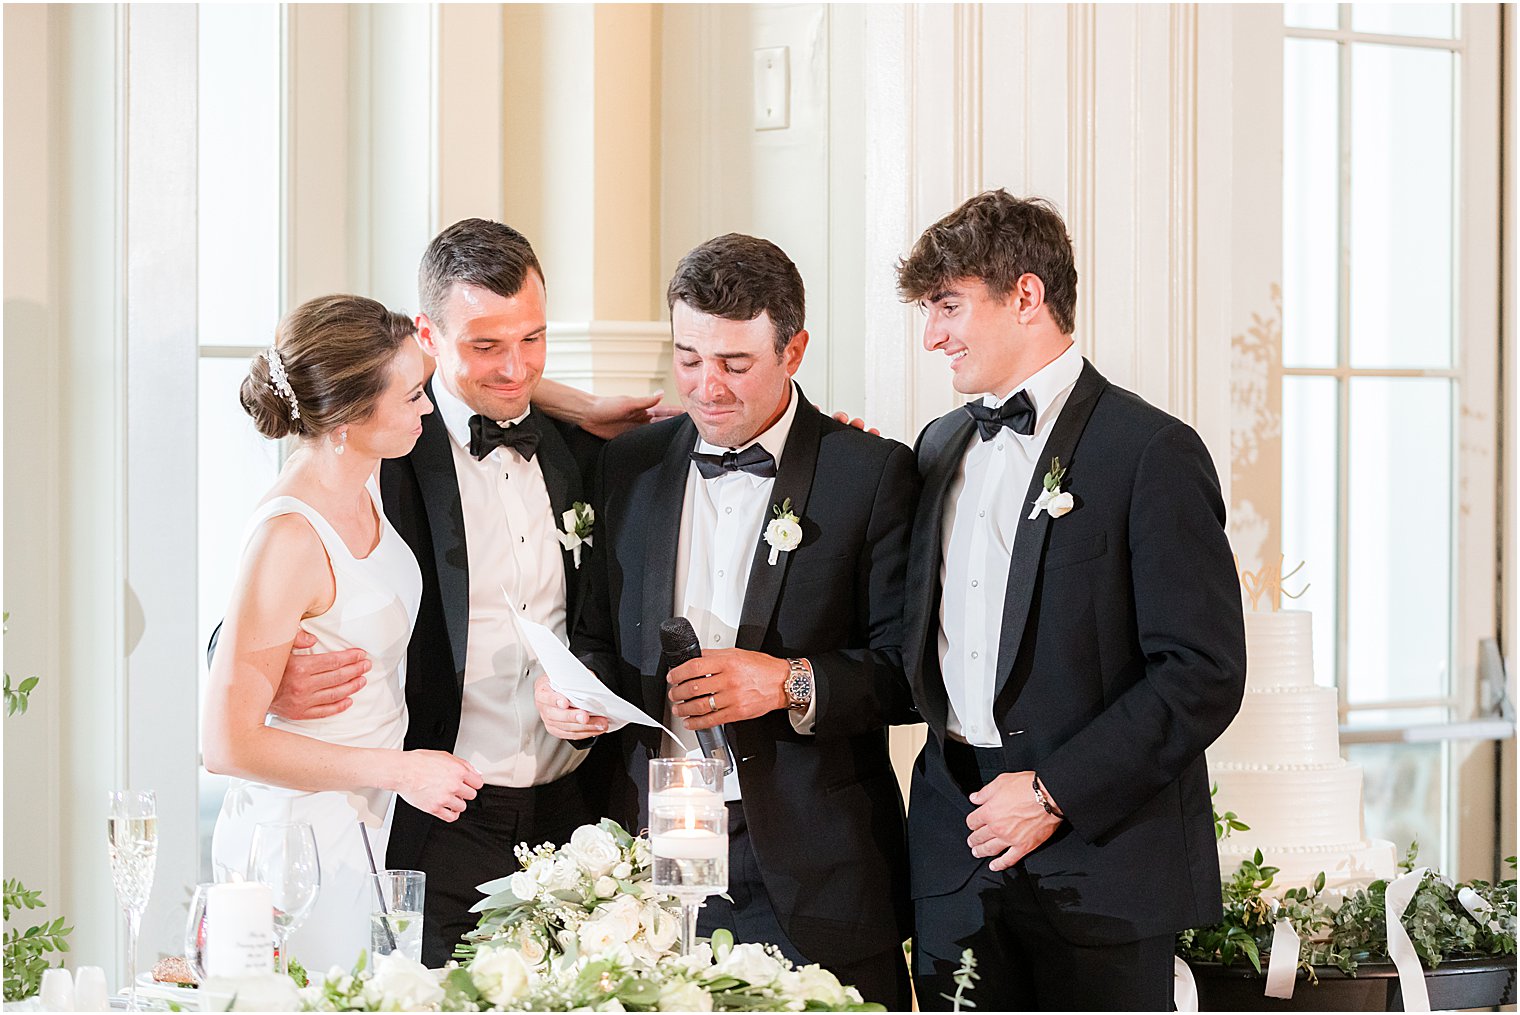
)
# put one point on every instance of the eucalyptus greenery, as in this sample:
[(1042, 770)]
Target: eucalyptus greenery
[(26, 951), (965, 978), (1439, 926)]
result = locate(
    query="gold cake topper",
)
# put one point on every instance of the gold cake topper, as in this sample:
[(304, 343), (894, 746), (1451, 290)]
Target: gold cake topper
[(1268, 581)]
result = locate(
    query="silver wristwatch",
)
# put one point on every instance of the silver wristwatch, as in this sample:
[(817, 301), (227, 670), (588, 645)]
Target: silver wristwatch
[(799, 684)]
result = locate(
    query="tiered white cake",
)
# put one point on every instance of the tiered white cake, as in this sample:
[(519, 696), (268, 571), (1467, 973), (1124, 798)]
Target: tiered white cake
[(1279, 768)]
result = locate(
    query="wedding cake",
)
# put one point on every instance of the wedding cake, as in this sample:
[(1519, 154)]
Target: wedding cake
[(1279, 768)]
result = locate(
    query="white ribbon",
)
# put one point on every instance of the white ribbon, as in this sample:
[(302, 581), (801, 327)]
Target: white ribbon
[(1184, 988), (1400, 949), (1478, 908), (1282, 966)]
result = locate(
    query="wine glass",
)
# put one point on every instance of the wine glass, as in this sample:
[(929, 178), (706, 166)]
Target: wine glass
[(132, 837), (284, 857), (195, 932)]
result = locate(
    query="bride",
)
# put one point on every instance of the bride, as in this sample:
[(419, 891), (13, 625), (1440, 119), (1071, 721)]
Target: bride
[(345, 377)]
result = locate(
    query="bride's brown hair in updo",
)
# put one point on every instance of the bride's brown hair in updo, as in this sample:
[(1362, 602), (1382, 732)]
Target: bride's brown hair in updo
[(337, 352)]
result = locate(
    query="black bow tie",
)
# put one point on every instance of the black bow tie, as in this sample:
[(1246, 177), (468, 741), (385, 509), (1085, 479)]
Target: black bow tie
[(1017, 414), (486, 434), (754, 460)]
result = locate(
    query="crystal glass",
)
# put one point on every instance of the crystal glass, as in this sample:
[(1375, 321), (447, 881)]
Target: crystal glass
[(195, 932), (132, 838), (395, 924), (688, 834), (284, 857)]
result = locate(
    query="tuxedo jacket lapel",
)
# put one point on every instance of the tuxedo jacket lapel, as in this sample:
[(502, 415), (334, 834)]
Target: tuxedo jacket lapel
[(1029, 543), (794, 481), (433, 461), (662, 531), (924, 567)]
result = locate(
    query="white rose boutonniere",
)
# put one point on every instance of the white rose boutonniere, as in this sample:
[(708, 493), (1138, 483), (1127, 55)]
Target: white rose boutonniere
[(1052, 500), (578, 523), (784, 532)]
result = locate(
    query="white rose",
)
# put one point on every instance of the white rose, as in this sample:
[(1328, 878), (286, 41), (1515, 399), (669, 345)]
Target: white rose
[(523, 885), (606, 888), (531, 946), (564, 875), (622, 871), (541, 870), (680, 995), (814, 983), (660, 927), (695, 964), (1060, 504), (750, 963), (405, 984), (783, 534), (593, 849), (499, 974)]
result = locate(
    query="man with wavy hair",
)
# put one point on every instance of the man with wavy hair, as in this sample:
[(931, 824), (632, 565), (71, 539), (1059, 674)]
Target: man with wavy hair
[(1073, 635)]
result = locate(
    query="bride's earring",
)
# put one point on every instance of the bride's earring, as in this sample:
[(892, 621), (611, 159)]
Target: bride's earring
[(341, 442)]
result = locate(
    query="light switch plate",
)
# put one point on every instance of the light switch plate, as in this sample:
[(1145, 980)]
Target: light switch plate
[(773, 91)]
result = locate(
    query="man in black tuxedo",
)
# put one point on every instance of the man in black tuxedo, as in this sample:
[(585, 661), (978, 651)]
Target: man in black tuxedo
[(1073, 637), (480, 500), (800, 660)]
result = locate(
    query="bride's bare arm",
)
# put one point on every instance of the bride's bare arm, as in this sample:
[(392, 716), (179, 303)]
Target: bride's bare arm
[(285, 577)]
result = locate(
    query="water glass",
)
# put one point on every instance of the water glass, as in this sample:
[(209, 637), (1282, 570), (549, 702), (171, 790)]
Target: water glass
[(195, 931), (132, 839), (284, 857), (688, 834), (90, 989), (57, 990), (395, 924)]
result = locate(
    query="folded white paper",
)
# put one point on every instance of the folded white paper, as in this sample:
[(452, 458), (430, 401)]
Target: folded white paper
[(570, 677)]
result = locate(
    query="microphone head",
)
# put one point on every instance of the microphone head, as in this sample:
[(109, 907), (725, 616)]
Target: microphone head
[(678, 637)]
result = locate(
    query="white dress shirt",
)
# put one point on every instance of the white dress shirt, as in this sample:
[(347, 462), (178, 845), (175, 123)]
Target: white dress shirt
[(983, 506), (515, 564), (721, 523)]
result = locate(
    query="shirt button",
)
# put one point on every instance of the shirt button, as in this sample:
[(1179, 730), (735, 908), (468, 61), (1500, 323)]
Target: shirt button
[(522, 539), (728, 511), (720, 574), (999, 445), (981, 514), (525, 606), (976, 655), (975, 583), (717, 639)]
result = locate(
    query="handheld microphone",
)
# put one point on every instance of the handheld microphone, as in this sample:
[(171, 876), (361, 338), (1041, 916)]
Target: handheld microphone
[(678, 644)]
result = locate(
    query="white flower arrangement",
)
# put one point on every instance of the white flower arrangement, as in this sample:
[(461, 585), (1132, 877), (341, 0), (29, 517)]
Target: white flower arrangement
[(556, 936), (784, 532)]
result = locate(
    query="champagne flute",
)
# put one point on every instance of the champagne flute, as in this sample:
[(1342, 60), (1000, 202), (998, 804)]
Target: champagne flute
[(284, 857), (132, 837)]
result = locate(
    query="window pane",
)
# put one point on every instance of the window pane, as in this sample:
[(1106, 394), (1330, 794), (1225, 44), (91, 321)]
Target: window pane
[(1310, 16), (1311, 203), (1401, 246), (236, 466), (1399, 539), (1309, 516), (1401, 796), (239, 173), (1433, 21)]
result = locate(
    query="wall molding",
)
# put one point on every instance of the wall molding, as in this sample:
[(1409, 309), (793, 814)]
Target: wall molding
[(1182, 272), (609, 357)]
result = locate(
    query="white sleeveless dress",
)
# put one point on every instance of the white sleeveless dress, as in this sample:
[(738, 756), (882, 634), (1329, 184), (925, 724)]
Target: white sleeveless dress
[(374, 608)]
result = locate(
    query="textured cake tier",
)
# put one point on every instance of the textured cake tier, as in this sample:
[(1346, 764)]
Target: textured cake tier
[(1345, 867), (1283, 724), (1279, 649), (1290, 806)]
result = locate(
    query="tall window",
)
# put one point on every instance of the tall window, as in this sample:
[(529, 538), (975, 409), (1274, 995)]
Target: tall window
[(239, 271), (1380, 359)]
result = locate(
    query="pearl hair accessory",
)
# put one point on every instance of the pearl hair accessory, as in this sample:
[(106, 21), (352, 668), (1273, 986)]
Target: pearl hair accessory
[(280, 381)]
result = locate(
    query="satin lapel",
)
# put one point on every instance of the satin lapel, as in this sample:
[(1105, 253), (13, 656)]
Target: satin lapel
[(794, 480), (1029, 543), (433, 461), (561, 479), (924, 567), (660, 526)]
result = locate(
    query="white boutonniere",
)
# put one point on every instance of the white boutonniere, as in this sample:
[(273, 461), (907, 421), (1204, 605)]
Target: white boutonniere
[(1052, 501), (578, 522), (783, 534)]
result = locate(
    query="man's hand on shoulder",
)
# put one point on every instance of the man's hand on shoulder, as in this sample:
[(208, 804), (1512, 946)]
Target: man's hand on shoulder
[(605, 416), (318, 686), (856, 422), (1009, 820), (727, 685)]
